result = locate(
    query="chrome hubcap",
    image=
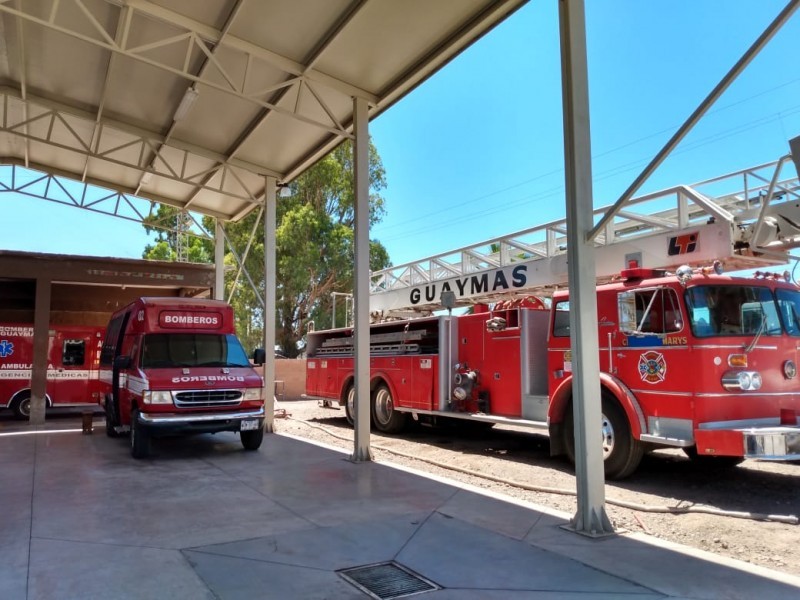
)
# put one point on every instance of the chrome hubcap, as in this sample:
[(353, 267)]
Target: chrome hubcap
[(383, 406), (608, 437)]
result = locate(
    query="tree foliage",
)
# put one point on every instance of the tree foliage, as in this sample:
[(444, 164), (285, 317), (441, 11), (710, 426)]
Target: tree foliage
[(315, 250)]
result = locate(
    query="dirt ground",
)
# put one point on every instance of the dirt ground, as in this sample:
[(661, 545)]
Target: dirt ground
[(666, 478)]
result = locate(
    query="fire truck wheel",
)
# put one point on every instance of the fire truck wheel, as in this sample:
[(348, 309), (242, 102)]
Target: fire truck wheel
[(22, 408), (621, 452), (712, 462), (385, 417), (251, 440), (349, 405), (111, 420), (140, 441)]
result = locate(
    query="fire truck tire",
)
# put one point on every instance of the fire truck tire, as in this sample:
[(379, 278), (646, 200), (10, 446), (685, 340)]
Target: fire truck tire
[(111, 419), (140, 440), (621, 452), (712, 462), (384, 416), (251, 440), (349, 405), (22, 407)]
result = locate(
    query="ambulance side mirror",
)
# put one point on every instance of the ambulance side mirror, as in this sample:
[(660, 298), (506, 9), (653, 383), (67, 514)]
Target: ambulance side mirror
[(259, 356), (122, 362)]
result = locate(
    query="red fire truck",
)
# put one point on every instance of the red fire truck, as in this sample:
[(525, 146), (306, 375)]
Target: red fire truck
[(689, 358), (174, 366), (72, 366)]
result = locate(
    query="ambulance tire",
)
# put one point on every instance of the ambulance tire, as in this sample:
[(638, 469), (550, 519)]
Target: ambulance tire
[(712, 462), (140, 440), (251, 440), (621, 452), (385, 418), (349, 405), (111, 419), (22, 407)]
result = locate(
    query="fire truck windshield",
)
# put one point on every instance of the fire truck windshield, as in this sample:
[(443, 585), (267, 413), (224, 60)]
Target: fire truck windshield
[(170, 350), (737, 310)]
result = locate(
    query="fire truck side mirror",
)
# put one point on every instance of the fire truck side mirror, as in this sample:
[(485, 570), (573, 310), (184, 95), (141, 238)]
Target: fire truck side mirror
[(259, 356), (122, 362)]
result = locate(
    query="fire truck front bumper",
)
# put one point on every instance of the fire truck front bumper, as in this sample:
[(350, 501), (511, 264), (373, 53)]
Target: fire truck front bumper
[(158, 424), (765, 443)]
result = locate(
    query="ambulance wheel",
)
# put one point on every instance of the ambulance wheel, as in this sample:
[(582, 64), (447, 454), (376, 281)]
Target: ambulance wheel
[(712, 462), (621, 452), (251, 440), (111, 419), (140, 440), (385, 417), (349, 405), (22, 408)]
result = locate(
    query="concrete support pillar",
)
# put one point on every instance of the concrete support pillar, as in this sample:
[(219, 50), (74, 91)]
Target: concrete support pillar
[(219, 261), (361, 450), (41, 346), (270, 266), (591, 518)]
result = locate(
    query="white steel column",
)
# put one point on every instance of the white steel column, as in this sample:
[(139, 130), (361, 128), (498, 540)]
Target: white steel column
[(361, 451), (270, 266), (591, 518), (219, 261)]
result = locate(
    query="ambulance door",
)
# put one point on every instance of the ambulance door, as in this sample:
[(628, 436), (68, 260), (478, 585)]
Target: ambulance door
[(70, 354)]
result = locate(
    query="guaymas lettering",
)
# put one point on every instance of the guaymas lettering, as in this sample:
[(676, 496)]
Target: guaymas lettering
[(476, 284)]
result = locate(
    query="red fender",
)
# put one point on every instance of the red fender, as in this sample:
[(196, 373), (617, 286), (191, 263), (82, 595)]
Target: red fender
[(563, 393)]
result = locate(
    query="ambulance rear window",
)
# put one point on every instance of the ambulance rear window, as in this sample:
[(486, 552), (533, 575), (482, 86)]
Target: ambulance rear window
[(74, 353)]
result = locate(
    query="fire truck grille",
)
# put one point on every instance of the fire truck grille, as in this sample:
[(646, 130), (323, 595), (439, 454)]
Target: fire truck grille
[(388, 580), (208, 398)]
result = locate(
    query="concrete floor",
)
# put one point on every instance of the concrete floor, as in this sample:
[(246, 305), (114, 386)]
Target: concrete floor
[(204, 519)]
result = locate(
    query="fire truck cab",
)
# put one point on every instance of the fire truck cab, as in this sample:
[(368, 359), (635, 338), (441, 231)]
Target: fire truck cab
[(72, 362), (174, 366)]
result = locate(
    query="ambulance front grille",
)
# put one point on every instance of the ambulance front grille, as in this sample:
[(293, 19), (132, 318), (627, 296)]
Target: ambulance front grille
[(200, 398)]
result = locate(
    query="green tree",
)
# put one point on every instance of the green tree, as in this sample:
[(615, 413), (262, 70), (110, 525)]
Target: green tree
[(315, 250)]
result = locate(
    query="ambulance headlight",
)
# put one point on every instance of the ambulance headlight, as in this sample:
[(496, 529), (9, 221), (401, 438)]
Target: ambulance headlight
[(746, 381), (251, 394), (789, 369), (156, 397)]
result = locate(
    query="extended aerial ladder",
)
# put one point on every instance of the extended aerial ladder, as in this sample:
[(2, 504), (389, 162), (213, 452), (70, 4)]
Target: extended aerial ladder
[(747, 219)]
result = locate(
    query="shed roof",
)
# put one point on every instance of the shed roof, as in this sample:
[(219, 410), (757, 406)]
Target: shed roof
[(192, 104)]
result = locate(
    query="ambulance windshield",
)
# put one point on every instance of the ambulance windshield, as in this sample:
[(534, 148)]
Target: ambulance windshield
[(170, 350), (733, 310)]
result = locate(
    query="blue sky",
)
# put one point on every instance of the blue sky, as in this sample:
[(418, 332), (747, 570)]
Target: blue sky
[(476, 151)]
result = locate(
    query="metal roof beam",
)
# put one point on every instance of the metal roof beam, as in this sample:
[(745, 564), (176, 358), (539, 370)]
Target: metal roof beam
[(140, 132), (134, 55)]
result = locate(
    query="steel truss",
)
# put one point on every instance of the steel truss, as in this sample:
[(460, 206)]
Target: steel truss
[(66, 191)]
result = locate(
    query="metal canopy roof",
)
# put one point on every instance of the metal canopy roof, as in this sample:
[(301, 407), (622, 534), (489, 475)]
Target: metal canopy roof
[(193, 103)]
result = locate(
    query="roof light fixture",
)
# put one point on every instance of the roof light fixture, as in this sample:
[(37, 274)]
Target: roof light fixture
[(188, 100)]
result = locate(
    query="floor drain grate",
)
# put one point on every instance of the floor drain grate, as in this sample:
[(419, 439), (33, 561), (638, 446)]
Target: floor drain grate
[(387, 580)]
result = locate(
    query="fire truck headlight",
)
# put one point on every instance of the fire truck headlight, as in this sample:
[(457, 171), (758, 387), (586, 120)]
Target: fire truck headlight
[(459, 393), (251, 394), (755, 381), (746, 381), (789, 369), (156, 397)]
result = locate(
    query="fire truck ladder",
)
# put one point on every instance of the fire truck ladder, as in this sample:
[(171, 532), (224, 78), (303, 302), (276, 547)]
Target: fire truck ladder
[(392, 343), (746, 219)]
